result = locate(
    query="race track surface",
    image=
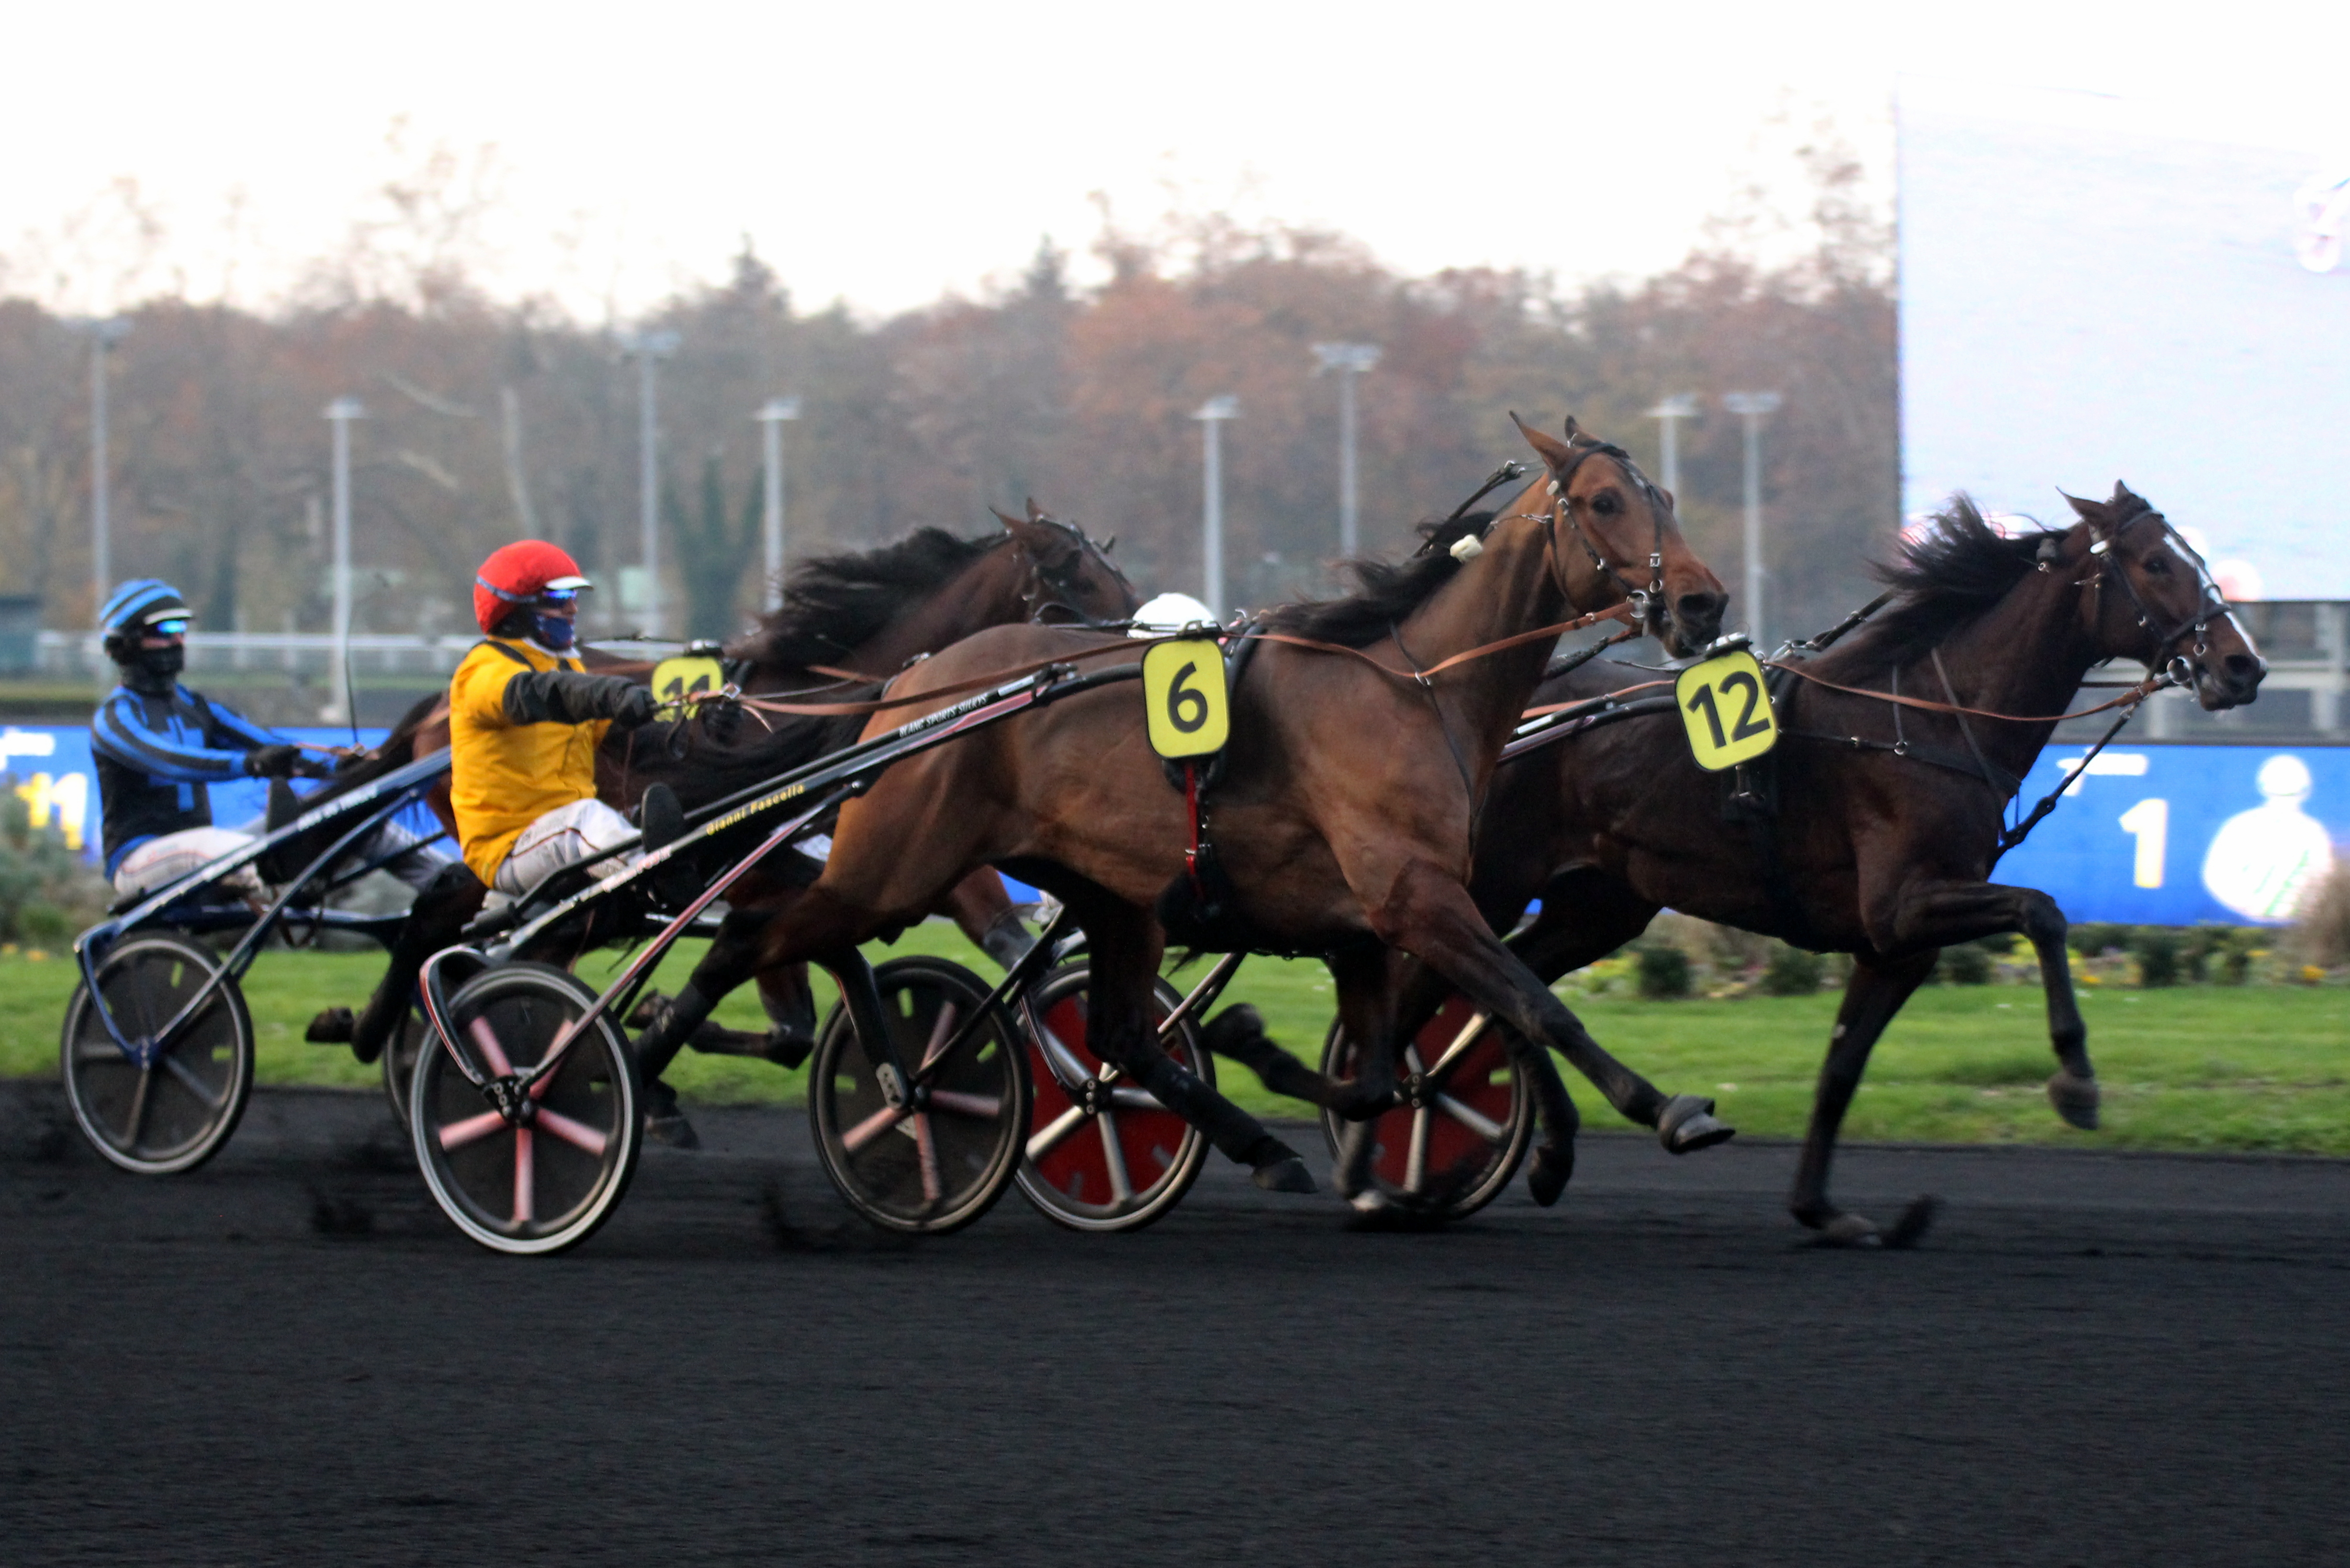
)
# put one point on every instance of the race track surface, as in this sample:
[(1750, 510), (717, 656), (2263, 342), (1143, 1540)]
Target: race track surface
[(290, 1357)]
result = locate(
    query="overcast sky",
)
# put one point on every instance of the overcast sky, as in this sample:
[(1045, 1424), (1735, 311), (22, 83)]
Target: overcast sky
[(887, 154)]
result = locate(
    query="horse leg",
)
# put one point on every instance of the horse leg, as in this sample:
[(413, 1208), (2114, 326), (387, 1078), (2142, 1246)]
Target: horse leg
[(981, 906), (1124, 959), (1237, 1035), (1938, 914), (1875, 993), (1367, 990), (732, 957), (1564, 936), (1428, 914)]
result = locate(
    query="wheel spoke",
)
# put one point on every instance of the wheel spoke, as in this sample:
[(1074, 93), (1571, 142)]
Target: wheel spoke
[(962, 1103), (486, 1039), (871, 1127), (1490, 1130), (1060, 1058), (1415, 1165), (139, 1098), (1460, 1047), (472, 1129), (1129, 1098), (525, 1186), (925, 1148), (1121, 1185), (941, 1031), (187, 1078), (579, 1134), (1053, 1136)]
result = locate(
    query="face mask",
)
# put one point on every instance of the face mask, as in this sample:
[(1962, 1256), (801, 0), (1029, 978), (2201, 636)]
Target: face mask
[(553, 633), (162, 663)]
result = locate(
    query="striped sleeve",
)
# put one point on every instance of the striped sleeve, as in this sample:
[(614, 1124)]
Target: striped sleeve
[(117, 731), (237, 727)]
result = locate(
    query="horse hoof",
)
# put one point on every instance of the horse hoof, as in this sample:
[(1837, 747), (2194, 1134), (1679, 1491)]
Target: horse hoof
[(1688, 1124), (1547, 1177), (1915, 1221), (1849, 1230), (1283, 1173), (2076, 1100), (1368, 1201)]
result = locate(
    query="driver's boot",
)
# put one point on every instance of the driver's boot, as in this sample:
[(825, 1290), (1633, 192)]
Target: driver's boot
[(434, 922)]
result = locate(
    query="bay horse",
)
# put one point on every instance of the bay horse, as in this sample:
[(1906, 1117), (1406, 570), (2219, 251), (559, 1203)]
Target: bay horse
[(866, 613), (1887, 819), (1343, 823)]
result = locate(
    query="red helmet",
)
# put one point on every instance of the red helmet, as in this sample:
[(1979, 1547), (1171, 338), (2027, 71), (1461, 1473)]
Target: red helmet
[(516, 574)]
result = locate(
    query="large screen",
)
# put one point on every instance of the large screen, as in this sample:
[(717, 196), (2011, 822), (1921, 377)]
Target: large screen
[(2087, 295)]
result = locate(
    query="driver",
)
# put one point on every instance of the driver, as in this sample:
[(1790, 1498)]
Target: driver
[(157, 745)]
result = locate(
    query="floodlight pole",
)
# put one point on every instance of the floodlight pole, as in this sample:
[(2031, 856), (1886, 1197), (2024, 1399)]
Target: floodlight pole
[(103, 336), (649, 349), (1211, 416), (1750, 407), (1669, 415), (1349, 361), (772, 419), (339, 414)]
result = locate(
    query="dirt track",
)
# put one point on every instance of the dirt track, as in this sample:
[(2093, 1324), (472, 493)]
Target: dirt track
[(290, 1357)]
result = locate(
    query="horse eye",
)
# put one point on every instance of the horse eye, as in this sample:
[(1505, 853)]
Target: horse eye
[(2157, 566), (1605, 504)]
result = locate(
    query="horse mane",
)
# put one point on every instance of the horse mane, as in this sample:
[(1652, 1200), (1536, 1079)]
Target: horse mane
[(1390, 590), (1957, 568), (835, 604)]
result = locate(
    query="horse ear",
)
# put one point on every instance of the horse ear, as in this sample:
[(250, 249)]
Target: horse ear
[(1037, 513), (1554, 451), (2089, 510), (1011, 525), (1574, 431), (2124, 498)]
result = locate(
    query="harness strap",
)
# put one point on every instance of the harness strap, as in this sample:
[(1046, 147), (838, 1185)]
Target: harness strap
[(2135, 693)]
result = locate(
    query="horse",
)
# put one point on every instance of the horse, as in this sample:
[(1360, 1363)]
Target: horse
[(1901, 750), (860, 614), (1342, 823)]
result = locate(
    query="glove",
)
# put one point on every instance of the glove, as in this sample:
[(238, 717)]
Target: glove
[(272, 762), (635, 707)]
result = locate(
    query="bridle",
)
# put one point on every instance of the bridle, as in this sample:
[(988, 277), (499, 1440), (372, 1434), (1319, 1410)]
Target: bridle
[(1648, 604), (2211, 604), (1050, 587)]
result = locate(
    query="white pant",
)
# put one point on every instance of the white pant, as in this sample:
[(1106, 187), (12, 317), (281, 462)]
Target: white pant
[(165, 858), (562, 837)]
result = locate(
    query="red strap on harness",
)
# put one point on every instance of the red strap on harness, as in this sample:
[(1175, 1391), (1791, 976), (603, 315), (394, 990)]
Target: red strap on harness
[(1191, 805)]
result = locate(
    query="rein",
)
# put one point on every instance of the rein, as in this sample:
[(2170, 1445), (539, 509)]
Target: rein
[(2137, 692)]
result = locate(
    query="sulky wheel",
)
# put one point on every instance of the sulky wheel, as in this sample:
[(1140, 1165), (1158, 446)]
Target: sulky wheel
[(400, 1053), (175, 1112), (942, 1161), (1102, 1154), (1452, 1143), (541, 1176)]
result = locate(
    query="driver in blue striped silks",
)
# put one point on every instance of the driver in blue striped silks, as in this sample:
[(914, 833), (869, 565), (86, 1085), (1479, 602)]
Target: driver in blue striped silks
[(158, 746)]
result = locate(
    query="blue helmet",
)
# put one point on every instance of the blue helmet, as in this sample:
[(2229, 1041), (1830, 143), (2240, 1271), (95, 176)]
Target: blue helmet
[(141, 603)]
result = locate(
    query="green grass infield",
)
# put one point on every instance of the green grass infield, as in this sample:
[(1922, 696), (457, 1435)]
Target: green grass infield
[(2197, 1068)]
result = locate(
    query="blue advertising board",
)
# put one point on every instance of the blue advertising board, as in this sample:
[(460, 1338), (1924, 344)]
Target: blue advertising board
[(2164, 834), (48, 766), (2175, 835)]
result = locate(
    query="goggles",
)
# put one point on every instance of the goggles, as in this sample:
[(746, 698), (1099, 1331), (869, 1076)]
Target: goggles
[(177, 626)]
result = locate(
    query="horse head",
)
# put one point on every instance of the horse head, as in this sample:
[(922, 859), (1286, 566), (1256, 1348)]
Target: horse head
[(2147, 595), (1614, 538), (1066, 577)]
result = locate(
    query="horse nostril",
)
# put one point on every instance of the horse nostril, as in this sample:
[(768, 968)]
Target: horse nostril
[(1700, 610), (2244, 666)]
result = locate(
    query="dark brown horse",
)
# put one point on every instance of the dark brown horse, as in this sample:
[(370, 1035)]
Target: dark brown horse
[(1342, 826), (1887, 819)]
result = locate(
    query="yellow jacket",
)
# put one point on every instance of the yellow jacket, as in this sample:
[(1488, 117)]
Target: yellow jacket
[(505, 775)]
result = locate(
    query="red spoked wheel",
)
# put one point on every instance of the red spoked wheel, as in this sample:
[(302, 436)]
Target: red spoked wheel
[(1461, 1128), (540, 1171), (1102, 1154)]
